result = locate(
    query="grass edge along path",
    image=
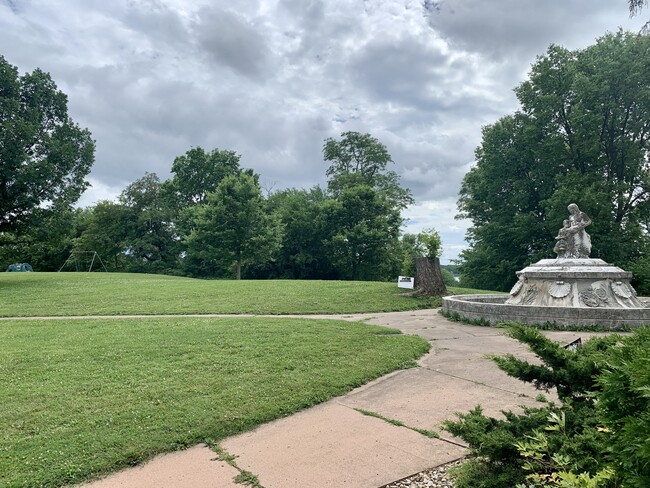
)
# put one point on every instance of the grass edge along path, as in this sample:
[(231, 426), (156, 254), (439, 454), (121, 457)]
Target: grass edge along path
[(82, 398)]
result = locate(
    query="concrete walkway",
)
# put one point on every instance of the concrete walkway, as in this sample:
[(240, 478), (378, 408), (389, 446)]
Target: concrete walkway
[(334, 444)]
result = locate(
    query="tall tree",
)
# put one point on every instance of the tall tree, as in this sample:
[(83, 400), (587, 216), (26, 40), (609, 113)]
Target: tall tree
[(364, 213), (197, 173), (302, 254), (581, 135), (151, 242), (232, 229), (44, 155)]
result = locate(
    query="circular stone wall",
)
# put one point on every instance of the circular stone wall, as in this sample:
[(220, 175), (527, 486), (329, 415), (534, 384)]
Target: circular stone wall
[(493, 309)]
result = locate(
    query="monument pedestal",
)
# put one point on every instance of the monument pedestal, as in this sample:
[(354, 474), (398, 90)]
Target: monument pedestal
[(569, 282)]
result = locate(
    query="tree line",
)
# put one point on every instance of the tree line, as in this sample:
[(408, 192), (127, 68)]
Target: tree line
[(209, 220)]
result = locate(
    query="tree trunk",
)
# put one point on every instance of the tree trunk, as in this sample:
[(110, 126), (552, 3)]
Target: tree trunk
[(238, 270), (428, 278)]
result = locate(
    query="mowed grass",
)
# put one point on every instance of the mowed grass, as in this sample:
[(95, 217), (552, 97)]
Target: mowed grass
[(38, 294), (84, 397)]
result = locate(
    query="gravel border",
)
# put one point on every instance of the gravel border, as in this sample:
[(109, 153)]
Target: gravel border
[(430, 478)]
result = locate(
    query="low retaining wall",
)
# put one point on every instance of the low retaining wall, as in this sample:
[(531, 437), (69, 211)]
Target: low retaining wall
[(492, 308)]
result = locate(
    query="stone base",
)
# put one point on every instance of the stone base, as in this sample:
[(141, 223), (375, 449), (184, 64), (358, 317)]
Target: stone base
[(574, 283), (492, 309)]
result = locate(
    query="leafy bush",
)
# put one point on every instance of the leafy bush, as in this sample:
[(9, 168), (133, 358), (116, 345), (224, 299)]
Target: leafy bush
[(598, 437), (624, 407)]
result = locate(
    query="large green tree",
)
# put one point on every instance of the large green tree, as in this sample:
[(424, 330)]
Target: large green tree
[(44, 155), (363, 215), (151, 241), (581, 135), (197, 173), (302, 254), (232, 229)]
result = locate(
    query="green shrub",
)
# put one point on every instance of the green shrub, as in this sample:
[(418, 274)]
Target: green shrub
[(624, 407), (572, 372), (563, 446)]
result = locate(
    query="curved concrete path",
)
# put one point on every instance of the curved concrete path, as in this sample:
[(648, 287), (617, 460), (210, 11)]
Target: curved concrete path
[(335, 444)]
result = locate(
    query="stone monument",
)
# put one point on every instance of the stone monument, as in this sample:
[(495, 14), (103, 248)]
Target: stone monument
[(574, 279)]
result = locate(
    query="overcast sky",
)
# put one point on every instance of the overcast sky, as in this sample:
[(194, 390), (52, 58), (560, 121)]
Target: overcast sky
[(271, 79)]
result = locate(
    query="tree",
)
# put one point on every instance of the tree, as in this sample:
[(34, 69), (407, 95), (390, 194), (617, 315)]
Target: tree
[(108, 229), (356, 153), (197, 173), (232, 229), (44, 155), (151, 241), (48, 240), (302, 254), (364, 213), (363, 231), (581, 135)]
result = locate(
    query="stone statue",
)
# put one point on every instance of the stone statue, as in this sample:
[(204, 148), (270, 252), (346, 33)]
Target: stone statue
[(573, 242)]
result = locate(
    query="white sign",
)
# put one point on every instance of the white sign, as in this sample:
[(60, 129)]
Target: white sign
[(405, 282)]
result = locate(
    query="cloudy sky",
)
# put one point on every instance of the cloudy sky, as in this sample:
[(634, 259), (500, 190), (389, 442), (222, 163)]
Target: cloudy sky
[(271, 79)]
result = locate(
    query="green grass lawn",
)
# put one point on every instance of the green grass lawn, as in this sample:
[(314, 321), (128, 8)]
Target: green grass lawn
[(80, 398), (36, 294)]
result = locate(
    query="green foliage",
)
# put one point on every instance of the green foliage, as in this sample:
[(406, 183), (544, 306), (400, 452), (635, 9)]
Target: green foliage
[(547, 468), (551, 446), (302, 254), (624, 406), (210, 219), (640, 269), (247, 478), (47, 242), (363, 216), (573, 373), (426, 243), (82, 398), (151, 241), (198, 173), (580, 136), (432, 243), (232, 229), (108, 231), (356, 153), (448, 278), (44, 155), (362, 230)]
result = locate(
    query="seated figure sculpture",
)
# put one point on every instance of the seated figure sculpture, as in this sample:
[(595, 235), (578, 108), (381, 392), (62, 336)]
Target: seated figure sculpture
[(573, 242)]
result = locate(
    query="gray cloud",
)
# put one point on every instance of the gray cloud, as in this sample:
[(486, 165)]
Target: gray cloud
[(519, 28), (233, 41)]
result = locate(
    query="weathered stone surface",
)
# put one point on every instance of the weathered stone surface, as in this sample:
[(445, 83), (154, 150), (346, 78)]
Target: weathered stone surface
[(493, 309), (590, 283)]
